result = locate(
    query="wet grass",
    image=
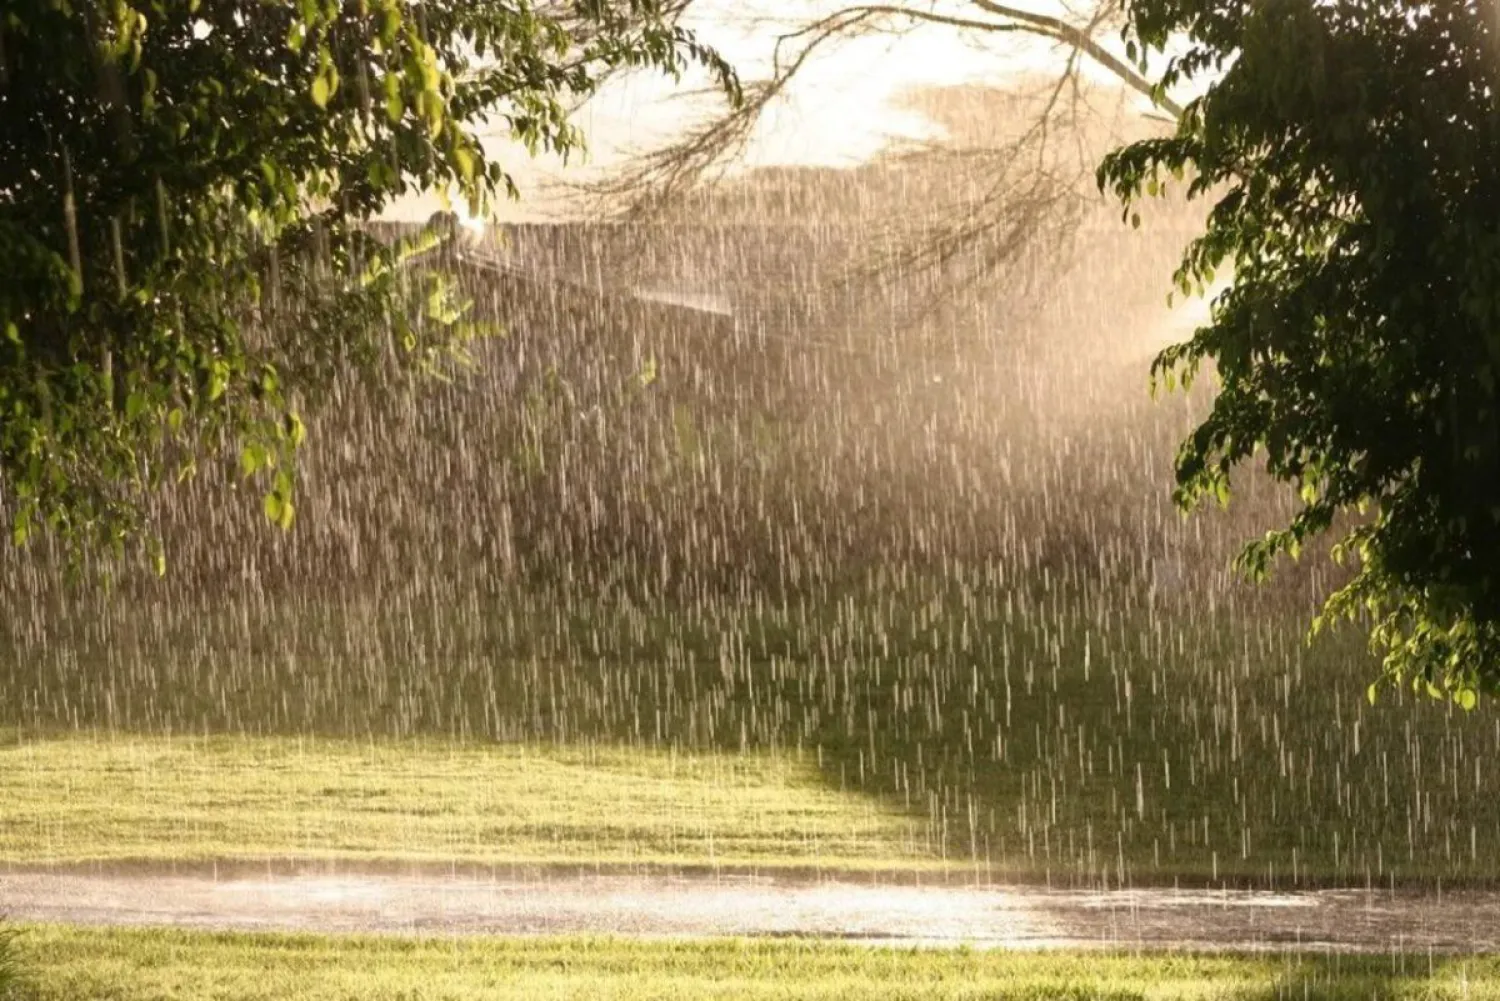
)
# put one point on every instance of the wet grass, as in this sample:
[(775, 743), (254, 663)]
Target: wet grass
[(123, 797), (1050, 735), (163, 965), (11, 976)]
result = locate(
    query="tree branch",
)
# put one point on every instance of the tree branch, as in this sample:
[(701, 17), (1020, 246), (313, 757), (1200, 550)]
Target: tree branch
[(1064, 32)]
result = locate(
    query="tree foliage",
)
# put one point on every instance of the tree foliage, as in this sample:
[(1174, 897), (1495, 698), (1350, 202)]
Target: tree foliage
[(182, 184), (1352, 152)]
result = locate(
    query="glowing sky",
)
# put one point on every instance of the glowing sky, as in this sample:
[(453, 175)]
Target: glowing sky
[(843, 109)]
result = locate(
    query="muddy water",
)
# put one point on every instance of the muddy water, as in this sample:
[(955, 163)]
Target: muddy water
[(667, 906)]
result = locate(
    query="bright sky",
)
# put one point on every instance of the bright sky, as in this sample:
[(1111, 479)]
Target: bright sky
[(841, 112)]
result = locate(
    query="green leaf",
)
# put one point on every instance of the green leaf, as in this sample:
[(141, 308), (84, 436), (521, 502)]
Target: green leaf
[(437, 301), (465, 162), (253, 459), (218, 379), (321, 90)]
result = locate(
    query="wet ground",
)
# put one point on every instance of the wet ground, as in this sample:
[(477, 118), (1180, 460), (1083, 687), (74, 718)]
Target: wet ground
[(852, 908)]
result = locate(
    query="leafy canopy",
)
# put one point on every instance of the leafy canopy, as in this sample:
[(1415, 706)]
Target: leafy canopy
[(181, 188), (1352, 150)]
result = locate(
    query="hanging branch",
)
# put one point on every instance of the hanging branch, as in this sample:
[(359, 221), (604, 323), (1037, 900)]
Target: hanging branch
[(1031, 190), (657, 178)]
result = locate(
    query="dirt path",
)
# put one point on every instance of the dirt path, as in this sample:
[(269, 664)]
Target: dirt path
[(665, 906)]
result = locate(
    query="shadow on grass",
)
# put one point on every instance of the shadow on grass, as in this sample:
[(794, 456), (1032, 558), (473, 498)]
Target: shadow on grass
[(13, 986), (1392, 977)]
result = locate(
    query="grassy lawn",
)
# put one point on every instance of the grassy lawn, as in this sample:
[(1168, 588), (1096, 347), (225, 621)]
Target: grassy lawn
[(1021, 736), (113, 798), (70, 963)]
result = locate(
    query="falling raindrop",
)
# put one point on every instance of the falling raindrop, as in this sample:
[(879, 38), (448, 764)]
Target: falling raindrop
[(715, 489)]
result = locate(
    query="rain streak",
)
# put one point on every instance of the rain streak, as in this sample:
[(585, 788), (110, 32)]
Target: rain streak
[(743, 487)]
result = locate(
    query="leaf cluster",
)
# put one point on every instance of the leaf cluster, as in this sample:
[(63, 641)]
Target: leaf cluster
[(1352, 152), (182, 188)]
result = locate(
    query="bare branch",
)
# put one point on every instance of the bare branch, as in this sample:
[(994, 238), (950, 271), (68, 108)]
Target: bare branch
[(1083, 41), (982, 203), (916, 14), (658, 178)]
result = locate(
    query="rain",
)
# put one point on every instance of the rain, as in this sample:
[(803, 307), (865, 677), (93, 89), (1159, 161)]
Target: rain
[(744, 479)]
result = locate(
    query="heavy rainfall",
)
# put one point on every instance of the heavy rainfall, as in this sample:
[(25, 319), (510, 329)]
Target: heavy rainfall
[(793, 484)]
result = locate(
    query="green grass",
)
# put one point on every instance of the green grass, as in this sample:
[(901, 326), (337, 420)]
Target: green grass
[(123, 965), (10, 964), (1033, 735), (128, 797)]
